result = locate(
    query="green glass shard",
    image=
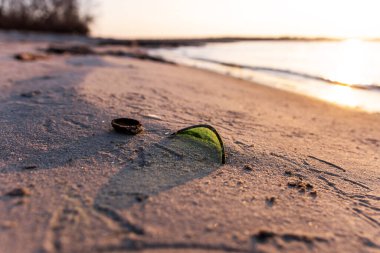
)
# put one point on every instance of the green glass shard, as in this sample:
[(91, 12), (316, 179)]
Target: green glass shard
[(207, 135)]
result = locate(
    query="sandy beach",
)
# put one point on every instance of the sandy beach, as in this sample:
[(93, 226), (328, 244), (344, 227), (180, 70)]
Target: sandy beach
[(301, 175)]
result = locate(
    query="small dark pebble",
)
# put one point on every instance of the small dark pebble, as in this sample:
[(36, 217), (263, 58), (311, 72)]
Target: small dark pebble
[(29, 57), (270, 201), (18, 192), (288, 173), (30, 94), (141, 198), (263, 236), (292, 184), (313, 193), (247, 168), (29, 167)]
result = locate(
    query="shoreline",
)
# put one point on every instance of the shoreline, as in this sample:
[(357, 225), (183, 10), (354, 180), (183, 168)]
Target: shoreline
[(301, 175), (357, 96)]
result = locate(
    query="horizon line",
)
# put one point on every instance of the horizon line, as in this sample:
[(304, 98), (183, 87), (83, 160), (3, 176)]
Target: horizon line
[(233, 37)]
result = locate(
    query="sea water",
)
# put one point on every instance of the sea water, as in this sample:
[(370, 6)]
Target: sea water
[(346, 73)]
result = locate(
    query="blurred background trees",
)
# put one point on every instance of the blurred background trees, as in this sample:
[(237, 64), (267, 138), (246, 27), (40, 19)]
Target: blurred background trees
[(59, 16)]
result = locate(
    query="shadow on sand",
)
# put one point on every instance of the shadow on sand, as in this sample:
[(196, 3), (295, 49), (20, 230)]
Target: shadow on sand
[(56, 128)]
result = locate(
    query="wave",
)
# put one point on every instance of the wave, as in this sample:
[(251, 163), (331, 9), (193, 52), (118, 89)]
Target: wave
[(290, 72)]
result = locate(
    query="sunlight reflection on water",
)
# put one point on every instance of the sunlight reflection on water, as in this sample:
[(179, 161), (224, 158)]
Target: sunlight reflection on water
[(352, 59), (342, 95)]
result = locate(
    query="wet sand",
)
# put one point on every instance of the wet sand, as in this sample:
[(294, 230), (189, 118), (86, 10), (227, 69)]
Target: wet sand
[(301, 175)]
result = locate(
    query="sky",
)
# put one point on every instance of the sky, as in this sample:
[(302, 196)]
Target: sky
[(214, 18)]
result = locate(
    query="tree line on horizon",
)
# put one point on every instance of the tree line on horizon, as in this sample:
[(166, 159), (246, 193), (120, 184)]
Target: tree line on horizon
[(58, 16)]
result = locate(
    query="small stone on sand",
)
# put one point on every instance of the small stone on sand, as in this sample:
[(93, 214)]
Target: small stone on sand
[(247, 168), (19, 192), (313, 193), (270, 201), (30, 94), (29, 167), (29, 57)]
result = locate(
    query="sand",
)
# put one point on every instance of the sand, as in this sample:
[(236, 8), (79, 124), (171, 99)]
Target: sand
[(301, 175)]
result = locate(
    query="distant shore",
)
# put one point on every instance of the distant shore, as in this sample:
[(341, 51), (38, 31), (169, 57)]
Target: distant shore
[(150, 43), (154, 43)]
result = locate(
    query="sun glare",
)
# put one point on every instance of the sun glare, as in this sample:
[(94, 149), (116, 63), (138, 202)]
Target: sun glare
[(350, 63), (341, 95)]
